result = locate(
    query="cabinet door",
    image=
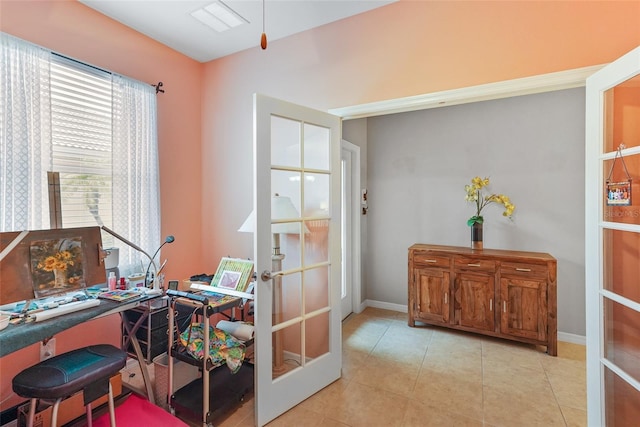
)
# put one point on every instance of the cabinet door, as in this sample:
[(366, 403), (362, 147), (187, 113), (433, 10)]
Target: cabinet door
[(432, 294), (524, 308), (474, 300)]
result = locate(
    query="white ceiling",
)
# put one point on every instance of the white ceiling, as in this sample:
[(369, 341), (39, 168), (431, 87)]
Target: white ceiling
[(170, 22)]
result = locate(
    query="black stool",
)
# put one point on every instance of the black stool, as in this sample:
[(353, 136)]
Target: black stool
[(88, 369)]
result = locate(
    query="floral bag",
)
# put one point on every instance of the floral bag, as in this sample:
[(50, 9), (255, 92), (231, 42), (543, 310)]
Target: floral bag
[(223, 347)]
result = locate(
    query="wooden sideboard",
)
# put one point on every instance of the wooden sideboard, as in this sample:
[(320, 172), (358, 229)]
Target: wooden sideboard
[(506, 294)]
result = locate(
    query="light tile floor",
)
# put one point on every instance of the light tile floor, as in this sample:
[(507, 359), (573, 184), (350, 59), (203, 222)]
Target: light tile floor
[(394, 375)]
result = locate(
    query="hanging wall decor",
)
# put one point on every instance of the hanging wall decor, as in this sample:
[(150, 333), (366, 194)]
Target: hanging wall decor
[(618, 193)]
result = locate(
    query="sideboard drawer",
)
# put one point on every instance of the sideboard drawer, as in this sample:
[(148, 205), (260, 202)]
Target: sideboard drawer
[(429, 260), (474, 264), (522, 269)]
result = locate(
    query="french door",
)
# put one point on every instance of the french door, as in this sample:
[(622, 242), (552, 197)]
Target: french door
[(297, 254), (612, 202)]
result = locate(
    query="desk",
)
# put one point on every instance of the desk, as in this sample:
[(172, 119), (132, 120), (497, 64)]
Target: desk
[(16, 337)]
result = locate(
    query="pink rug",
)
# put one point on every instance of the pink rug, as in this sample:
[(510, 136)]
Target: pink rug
[(139, 412)]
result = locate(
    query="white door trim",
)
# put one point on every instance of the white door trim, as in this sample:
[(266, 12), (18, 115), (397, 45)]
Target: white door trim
[(504, 89), (356, 232)]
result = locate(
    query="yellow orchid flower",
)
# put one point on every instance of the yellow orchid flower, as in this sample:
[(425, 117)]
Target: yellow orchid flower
[(474, 194)]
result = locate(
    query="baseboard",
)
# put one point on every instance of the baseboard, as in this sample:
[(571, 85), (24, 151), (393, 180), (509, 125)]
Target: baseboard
[(572, 338), (402, 308)]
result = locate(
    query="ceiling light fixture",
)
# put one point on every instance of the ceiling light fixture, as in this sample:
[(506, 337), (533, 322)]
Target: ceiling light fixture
[(219, 16), (263, 38)]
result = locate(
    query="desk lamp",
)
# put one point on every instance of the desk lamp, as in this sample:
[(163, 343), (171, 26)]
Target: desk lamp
[(156, 288), (282, 208)]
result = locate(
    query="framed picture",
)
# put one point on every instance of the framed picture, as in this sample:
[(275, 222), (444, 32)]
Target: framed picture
[(233, 274), (229, 280), (618, 193)]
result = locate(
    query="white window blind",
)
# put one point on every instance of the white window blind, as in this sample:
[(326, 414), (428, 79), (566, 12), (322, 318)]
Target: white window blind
[(81, 105)]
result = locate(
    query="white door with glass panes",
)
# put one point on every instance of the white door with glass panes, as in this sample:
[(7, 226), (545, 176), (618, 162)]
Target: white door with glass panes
[(612, 202), (297, 254)]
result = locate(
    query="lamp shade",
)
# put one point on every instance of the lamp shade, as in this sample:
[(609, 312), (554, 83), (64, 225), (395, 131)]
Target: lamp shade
[(281, 209)]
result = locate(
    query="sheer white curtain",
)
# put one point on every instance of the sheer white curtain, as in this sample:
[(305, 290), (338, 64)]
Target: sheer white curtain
[(25, 134), (136, 180), (26, 151)]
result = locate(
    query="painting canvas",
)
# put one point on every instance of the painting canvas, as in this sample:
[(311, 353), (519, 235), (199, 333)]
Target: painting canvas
[(57, 266)]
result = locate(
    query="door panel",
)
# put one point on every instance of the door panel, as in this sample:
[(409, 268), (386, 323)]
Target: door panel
[(433, 294), (524, 311), (612, 230), (297, 246), (474, 301)]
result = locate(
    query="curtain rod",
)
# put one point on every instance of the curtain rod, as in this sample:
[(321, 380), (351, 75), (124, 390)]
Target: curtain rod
[(157, 86)]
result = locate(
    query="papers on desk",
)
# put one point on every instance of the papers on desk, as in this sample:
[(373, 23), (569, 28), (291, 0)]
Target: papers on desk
[(120, 295)]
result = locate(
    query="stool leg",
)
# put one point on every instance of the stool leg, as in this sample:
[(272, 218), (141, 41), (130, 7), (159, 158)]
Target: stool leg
[(32, 412), (112, 411), (89, 415), (54, 415)]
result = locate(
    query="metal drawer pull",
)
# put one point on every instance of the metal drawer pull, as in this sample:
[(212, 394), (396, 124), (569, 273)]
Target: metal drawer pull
[(430, 260), (523, 269), (491, 305), (504, 306), (445, 298), (473, 265)]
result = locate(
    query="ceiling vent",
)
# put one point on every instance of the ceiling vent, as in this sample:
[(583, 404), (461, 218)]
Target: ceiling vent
[(219, 16)]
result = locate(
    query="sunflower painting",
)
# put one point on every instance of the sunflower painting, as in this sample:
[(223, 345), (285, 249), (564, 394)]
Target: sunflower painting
[(56, 266)]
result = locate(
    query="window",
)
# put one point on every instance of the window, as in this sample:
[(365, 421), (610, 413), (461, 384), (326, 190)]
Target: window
[(96, 129), (81, 142)]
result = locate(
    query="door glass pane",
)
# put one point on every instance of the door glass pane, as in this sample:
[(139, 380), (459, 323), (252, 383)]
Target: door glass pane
[(316, 289), (288, 303), (316, 195), (287, 350), (622, 401), (285, 142), (621, 196), (316, 147), (286, 184), (317, 336), (622, 337), (622, 115), (621, 269)]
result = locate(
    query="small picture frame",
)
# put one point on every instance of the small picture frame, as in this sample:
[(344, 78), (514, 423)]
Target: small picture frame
[(230, 280), (233, 274), (618, 193)]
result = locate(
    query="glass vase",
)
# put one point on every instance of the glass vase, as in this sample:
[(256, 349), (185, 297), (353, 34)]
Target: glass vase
[(476, 236)]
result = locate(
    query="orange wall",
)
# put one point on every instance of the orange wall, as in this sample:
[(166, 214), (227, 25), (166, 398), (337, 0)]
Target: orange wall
[(72, 29), (402, 49)]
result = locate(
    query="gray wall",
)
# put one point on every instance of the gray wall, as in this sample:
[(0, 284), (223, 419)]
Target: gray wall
[(531, 147)]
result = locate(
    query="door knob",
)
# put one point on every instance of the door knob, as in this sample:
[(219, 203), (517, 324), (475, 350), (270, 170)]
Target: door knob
[(265, 276)]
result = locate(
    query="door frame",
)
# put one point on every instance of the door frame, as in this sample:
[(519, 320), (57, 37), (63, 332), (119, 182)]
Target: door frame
[(355, 231)]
